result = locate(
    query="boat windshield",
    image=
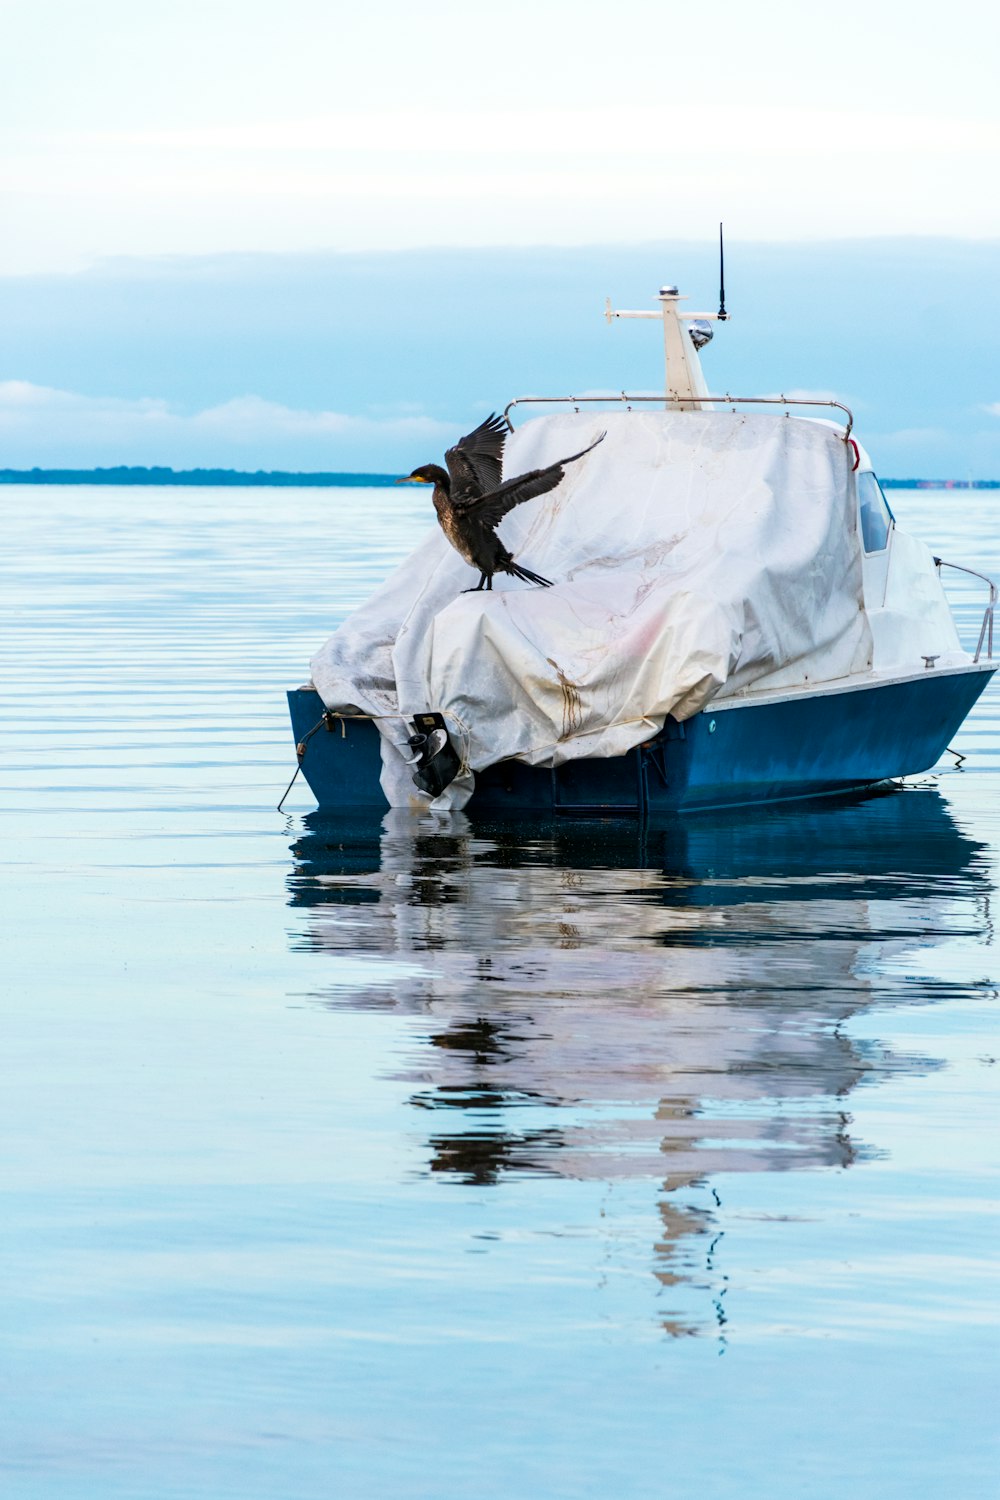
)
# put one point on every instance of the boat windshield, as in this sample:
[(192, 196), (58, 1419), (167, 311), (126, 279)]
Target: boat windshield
[(876, 517)]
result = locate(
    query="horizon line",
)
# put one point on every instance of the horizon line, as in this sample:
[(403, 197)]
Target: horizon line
[(220, 478)]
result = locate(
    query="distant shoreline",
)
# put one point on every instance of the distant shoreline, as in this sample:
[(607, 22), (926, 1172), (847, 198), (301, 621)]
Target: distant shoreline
[(207, 477), (939, 484), (278, 479)]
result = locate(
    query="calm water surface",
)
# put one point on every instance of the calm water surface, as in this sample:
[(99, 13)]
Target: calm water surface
[(423, 1158)]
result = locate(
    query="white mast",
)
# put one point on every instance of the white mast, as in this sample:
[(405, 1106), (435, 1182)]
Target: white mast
[(683, 335)]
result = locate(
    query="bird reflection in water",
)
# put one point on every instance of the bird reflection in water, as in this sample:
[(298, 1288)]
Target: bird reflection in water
[(666, 1002), (480, 1155)]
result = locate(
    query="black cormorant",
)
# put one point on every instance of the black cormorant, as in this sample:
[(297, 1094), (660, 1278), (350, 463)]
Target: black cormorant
[(471, 499)]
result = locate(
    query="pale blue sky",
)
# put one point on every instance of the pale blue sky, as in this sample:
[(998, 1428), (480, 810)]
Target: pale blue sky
[(213, 157)]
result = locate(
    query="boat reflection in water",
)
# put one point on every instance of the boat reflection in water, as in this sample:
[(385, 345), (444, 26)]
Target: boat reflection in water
[(603, 1001)]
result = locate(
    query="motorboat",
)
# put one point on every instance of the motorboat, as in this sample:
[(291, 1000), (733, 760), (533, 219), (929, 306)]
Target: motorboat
[(737, 618)]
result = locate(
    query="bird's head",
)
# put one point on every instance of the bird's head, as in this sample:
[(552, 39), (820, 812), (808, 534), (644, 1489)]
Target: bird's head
[(427, 474)]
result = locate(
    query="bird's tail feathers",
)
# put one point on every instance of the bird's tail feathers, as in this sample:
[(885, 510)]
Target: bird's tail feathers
[(528, 576)]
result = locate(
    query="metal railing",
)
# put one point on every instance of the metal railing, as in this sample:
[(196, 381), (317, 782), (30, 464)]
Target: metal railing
[(685, 401), (986, 629)]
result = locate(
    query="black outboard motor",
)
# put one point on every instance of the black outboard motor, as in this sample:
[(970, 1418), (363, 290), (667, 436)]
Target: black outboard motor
[(435, 762)]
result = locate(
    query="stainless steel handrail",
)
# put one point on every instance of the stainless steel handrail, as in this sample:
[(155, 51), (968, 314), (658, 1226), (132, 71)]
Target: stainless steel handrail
[(986, 629), (578, 401)]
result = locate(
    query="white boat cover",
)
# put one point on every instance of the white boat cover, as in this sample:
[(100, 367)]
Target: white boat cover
[(691, 552)]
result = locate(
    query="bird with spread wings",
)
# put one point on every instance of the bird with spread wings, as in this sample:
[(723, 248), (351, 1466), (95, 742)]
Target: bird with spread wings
[(471, 498)]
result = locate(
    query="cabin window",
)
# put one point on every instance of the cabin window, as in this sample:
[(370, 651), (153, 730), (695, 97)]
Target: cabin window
[(876, 517)]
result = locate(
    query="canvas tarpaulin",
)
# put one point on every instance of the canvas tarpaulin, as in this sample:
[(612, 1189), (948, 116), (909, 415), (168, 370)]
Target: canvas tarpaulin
[(691, 552)]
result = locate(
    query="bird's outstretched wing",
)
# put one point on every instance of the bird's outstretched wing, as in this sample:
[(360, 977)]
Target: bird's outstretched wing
[(476, 461), (493, 507)]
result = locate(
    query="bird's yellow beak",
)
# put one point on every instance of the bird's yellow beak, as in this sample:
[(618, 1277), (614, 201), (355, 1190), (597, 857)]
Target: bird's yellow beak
[(411, 479)]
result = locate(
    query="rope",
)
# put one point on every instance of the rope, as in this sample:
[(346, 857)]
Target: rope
[(288, 788), (300, 751), (597, 729), (404, 719)]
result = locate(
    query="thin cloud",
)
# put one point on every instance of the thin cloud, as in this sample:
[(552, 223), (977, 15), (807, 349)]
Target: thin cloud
[(790, 131), (46, 427)]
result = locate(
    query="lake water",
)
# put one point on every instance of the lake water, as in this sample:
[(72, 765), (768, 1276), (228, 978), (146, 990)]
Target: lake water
[(414, 1159)]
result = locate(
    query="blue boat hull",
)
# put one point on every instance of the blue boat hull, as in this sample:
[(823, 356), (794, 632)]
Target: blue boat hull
[(818, 744)]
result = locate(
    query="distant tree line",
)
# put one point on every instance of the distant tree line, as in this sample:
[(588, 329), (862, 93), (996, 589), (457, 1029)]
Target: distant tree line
[(124, 474), (939, 484)]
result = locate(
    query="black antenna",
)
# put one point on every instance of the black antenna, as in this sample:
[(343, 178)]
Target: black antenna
[(723, 315)]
